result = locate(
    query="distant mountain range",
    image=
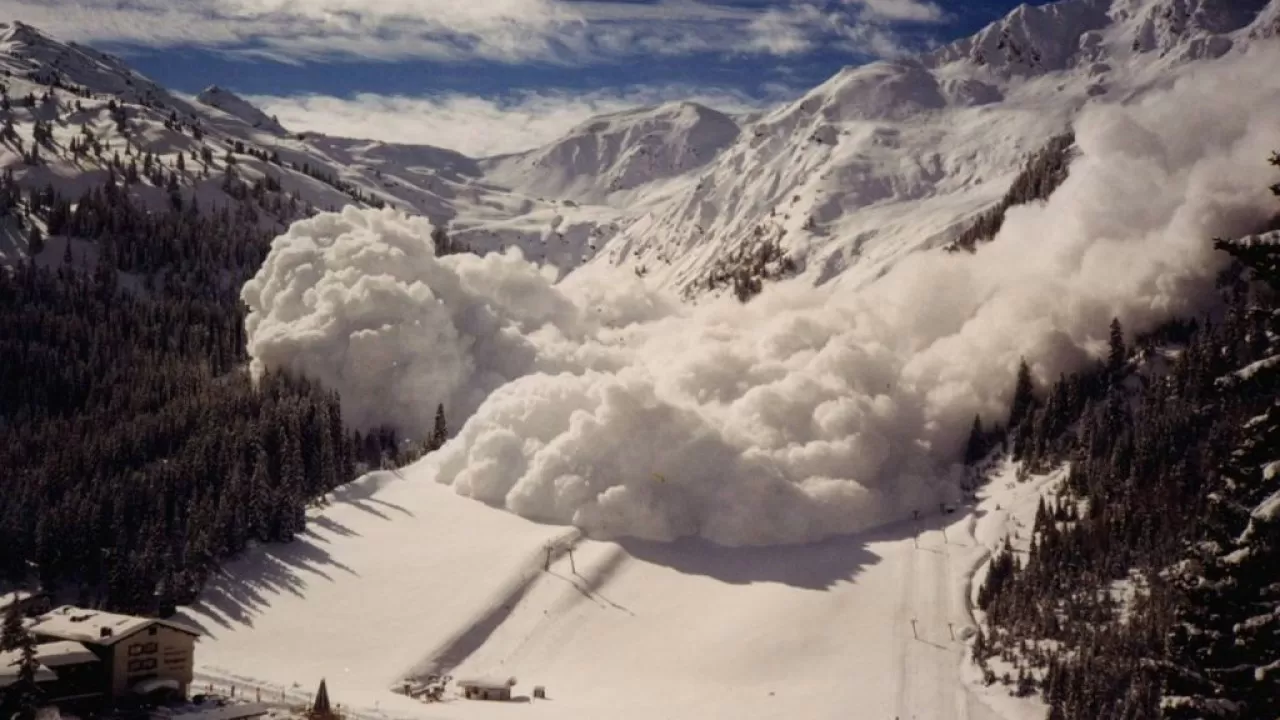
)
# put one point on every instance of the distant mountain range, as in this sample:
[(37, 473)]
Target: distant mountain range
[(880, 161)]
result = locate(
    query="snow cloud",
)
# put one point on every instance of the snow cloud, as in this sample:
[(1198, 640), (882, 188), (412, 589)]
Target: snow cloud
[(805, 413), (482, 126)]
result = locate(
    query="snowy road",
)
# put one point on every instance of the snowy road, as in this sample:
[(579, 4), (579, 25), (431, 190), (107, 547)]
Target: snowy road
[(930, 686)]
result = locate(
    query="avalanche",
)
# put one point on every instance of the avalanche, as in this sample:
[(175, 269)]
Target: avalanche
[(804, 414)]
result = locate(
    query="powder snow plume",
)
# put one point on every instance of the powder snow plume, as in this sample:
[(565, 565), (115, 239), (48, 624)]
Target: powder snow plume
[(805, 413)]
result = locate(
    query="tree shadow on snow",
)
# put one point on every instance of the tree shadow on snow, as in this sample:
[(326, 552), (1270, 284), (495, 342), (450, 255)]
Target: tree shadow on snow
[(360, 493), (811, 566), (245, 587)]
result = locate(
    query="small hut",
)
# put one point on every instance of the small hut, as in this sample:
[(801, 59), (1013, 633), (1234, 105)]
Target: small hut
[(487, 688)]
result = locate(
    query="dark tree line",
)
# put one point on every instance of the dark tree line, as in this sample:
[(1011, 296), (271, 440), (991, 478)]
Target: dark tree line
[(746, 268), (137, 452), (1172, 444), (1043, 173), (346, 188)]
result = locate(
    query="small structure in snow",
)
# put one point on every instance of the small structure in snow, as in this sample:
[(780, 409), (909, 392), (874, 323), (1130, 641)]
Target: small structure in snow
[(539, 692), (29, 604), (486, 688), (320, 708)]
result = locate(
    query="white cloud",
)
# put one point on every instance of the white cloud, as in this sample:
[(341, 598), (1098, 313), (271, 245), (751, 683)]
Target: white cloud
[(779, 33), (804, 413), (478, 126), (898, 10), (495, 30)]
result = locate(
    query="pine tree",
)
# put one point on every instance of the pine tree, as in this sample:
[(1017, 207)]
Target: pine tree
[(35, 241), (1023, 397), (440, 432), (23, 696), (1116, 354), (12, 631), (976, 447)]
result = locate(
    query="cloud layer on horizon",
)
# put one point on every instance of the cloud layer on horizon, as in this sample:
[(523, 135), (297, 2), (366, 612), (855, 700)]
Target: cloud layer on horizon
[(490, 30), (482, 126)]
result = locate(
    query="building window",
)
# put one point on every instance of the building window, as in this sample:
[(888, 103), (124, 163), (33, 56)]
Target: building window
[(151, 630), (135, 649), (150, 648), (141, 665)]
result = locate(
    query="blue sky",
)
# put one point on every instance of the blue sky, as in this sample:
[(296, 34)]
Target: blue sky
[(486, 76)]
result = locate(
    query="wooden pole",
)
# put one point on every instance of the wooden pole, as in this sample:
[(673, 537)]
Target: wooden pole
[(951, 628), (572, 566), (914, 634)]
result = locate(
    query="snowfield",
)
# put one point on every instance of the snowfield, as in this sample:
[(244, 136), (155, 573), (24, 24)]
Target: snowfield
[(399, 576)]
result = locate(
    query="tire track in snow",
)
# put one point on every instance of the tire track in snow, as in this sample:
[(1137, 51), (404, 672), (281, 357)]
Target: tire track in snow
[(901, 622)]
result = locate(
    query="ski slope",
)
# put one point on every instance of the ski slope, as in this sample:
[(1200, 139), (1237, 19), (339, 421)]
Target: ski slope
[(399, 577)]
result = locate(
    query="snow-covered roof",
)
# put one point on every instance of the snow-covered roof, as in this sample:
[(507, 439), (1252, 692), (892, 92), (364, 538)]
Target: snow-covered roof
[(487, 682), (9, 662), (96, 627), (63, 653), (9, 598)]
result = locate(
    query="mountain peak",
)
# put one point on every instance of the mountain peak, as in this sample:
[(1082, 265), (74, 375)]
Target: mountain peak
[(21, 32), (620, 152), (228, 102), (1030, 39)]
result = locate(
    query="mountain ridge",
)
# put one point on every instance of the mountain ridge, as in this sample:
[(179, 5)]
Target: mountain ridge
[(877, 162)]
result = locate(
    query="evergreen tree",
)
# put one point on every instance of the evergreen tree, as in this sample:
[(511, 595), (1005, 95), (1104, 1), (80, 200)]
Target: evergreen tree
[(439, 432), (1023, 397), (12, 631), (35, 241), (976, 447), (21, 699), (1116, 354)]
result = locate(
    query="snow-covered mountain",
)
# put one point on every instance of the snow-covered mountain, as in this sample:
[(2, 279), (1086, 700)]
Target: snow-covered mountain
[(87, 95), (888, 158), (232, 104), (787, 420), (876, 163), (607, 158)]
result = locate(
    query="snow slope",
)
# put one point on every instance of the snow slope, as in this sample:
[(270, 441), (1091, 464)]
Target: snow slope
[(890, 158), (319, 172), (399, 577), (877, 163), (608, 158), (232, 104)]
